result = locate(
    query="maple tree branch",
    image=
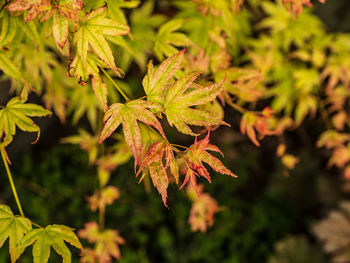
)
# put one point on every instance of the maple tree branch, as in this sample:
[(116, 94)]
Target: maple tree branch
[(115, 85), (14, 191), (101, 217)]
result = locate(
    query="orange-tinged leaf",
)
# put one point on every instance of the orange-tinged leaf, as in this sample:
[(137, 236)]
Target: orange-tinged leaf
[(160, 179), (128, 114), (196, 155), (107, 242)]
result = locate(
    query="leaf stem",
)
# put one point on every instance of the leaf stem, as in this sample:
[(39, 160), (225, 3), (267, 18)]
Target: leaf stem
[(115, 85), (35, 224), (236, 106), (179, 146), (11, 182)]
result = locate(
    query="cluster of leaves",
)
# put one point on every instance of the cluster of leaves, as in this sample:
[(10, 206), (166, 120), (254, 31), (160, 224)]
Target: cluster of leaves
[(274, 73)]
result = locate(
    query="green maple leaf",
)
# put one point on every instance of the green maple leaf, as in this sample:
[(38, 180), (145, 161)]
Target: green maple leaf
[(178, 97), (17, 113), (166, 39), (53, 236), (128, 114), (14, 228), (156, 82), (179, 100), (10, 68), (94, 26)]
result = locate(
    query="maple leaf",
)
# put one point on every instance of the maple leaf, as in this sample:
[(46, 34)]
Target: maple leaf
[(156, 82), (252, 120), (53, 236), (166, 39), (77, 69), (83, 100), (179, 100), (14, 228), (35, 8), (160, 179), (9, 68), (86, 141), (194, 158), (91, 32), (60, 29), (128, 114), (107, 242), (17, 113), (334, 232), (203, 209), (242, 82), (105, 196), (155, 153), (296, 6)]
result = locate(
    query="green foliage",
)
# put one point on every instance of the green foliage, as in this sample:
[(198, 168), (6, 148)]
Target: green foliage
[(272, 62)]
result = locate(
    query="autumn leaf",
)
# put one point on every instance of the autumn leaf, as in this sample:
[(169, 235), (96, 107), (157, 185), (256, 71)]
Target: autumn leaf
[(128, 114), (107, 242), (91, 32), (53, 236), (194, 158), (106, 196), (203, 209), (242, 82), (17, 113), (14, 228), (159, 179), (252, 122), (34, 8), (158, 151)]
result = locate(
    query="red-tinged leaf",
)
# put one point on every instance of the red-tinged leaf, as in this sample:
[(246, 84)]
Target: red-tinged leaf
[(156, 82), (216, 164), (154, 153), (160, 179), (252, 122), (100, 90), (203, 209), (128, 114), (107, 242), (191, 176), (197, 154)]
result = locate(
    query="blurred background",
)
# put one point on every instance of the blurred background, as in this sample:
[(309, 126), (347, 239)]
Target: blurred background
[(266, 214)]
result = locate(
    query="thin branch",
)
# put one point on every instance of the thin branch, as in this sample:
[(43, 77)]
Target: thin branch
[(115, 85), (14, 191)]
